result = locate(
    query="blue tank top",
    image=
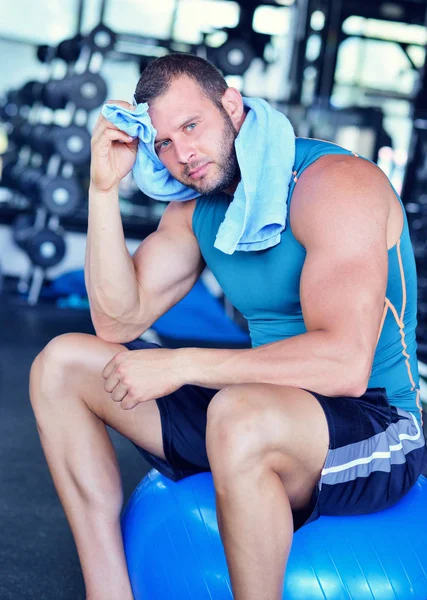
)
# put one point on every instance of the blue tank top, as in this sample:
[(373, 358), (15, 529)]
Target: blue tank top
[(264, 286)]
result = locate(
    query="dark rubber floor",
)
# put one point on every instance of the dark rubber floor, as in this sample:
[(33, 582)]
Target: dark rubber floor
[(38, 560)]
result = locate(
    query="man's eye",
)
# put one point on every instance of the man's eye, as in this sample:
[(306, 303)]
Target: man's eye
[(191, 126), (163, 145)]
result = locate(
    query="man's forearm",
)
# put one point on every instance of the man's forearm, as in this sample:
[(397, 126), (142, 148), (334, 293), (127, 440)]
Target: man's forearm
[(315, 361), (109, 271)]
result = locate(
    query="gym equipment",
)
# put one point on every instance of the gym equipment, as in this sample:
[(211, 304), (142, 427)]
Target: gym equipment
[(31, 92), (243, 44), (44, 246), (173, 548), (43, 242), (45, 53), (101, 39), (72, 143), (61, 196), (69, 50), (87, 90), (234, 57)]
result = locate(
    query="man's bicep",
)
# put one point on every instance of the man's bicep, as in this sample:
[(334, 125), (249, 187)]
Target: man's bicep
[(343, 283), (168, 262), (345, 296)]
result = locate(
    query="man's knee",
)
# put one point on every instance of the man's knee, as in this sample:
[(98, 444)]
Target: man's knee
[(59, 352), (244, 429), (56, 364)]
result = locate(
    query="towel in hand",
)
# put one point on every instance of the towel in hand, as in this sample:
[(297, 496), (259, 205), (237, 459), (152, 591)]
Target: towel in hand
[(265, 149)]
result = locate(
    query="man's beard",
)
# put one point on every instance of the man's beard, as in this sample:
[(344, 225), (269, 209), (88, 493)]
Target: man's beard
[(228, 167)]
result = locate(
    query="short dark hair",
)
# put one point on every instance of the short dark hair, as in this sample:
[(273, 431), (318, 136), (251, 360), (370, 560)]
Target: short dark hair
[(157, 77)]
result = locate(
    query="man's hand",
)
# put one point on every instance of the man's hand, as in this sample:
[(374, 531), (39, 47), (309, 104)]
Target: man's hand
[(113, 153), (137, 376)]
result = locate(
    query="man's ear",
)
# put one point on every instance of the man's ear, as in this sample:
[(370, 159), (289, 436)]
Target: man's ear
[(232, 102)]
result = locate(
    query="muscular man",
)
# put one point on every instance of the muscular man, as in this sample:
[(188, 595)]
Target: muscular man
[(320, 416)]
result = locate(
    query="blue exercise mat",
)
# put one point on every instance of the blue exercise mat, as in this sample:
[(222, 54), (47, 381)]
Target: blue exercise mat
[(200, 316)]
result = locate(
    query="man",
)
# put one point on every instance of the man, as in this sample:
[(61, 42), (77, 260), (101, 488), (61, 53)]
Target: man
[(331, 309)]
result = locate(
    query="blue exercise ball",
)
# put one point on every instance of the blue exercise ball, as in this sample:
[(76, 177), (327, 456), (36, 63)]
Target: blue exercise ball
[(174, 551)]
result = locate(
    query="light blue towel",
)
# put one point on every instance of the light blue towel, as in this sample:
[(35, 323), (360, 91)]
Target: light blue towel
[(265, 149)]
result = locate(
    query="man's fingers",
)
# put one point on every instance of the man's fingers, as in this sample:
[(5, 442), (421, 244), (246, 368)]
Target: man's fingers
[(115, 135), (128, 403), (119, 392), (108, 131), (111, 383), (109, 368)]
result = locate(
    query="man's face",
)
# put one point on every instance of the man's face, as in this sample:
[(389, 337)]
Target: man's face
[(195, 140)]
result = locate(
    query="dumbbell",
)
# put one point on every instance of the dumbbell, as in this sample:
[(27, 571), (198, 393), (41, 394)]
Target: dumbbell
[(44, 246), (45, 53), (86, 90), (101, 39), (61, 195), (71, 143), (234, 57), (69, 50), (11, 172), (30, 93)]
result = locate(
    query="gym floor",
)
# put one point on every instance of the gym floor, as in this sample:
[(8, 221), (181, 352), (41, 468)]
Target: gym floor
[(38, 559)]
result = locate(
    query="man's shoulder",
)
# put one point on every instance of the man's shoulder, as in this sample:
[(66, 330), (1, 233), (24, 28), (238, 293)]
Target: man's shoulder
[(343, 185), (332, 165), (335, 175)]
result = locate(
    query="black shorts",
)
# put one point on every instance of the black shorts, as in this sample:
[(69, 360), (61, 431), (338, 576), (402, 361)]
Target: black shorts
[(376, 451)]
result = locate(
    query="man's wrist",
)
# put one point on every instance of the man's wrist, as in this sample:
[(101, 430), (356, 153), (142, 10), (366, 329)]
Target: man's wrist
[(95, 192), (187, 365)]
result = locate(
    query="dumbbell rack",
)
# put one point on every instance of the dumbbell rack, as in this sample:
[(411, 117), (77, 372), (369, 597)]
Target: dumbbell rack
[(48, 160)]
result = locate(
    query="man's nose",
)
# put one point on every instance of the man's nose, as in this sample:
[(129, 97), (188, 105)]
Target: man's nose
[(184, 151)]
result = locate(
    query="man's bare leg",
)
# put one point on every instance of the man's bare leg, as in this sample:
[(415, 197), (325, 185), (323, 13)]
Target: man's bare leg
[(266, 446), (71, 409)]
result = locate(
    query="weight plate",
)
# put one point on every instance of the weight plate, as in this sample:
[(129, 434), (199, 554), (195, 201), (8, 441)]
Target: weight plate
[(69, 50), (55, 93), (46, 248), (31, 92), (102, 39), (45, 53), (72, 144), (61, 196), (88, 90), (28, 183), (22, 229), (234, 56), (41, 139)]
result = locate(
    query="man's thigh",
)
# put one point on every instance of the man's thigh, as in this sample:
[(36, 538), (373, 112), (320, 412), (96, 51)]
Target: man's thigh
[(284, 427)]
